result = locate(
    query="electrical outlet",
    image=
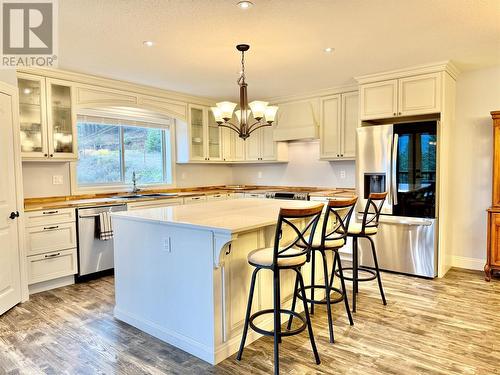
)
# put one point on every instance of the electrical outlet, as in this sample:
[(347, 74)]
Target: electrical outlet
[(259, 174), (342, 174), (57, 180), (167, 245), (183, 175)]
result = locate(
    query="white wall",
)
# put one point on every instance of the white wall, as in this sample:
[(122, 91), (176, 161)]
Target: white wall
[(478, 93), (303, 169)]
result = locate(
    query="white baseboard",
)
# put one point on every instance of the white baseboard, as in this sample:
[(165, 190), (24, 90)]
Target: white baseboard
[(51, 284), (468, 263)]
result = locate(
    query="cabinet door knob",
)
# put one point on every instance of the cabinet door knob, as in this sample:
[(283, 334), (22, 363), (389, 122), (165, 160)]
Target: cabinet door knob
[(400, 113), (13, 215), (395, 113), (51, 155), (45, 155)]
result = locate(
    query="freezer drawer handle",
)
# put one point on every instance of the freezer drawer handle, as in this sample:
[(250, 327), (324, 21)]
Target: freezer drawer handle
[(52, 255), (51, 228)]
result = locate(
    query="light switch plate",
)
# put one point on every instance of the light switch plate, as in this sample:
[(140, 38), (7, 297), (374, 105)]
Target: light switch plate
[(259, 174), (342, 174), (57, 180)]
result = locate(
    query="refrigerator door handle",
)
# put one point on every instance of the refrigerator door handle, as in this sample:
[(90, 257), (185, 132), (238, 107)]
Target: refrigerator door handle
[(394, 166)]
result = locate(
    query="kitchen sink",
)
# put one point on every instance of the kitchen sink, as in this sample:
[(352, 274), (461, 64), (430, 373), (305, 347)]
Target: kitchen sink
[(152, 195), (136, 196)]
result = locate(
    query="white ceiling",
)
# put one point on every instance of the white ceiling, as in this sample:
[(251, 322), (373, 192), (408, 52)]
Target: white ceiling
[(195, 41)]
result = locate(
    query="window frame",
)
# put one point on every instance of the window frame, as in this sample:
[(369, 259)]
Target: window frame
[(168, 133)]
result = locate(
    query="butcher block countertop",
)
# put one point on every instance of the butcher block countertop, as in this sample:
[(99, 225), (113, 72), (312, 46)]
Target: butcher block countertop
[(35, 204)]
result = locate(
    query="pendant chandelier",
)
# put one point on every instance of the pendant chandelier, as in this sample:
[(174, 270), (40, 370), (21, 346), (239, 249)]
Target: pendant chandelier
[(250, 116)]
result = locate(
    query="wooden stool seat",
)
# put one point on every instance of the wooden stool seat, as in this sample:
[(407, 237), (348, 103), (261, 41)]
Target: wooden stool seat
[(264, 258)]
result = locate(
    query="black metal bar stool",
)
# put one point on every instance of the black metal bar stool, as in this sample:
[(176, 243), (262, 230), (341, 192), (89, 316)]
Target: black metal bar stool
[(331, 237), (366, 229), (279, 257)]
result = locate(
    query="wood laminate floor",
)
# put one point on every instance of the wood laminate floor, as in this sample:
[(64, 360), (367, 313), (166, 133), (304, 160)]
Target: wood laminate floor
[(442, 326)]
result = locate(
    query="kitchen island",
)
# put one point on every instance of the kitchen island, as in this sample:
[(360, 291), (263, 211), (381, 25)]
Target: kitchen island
[(181, 273)]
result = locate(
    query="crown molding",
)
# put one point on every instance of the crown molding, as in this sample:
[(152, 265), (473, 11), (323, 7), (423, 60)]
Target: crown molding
[(441, 66), (313, 94), (104, 82)]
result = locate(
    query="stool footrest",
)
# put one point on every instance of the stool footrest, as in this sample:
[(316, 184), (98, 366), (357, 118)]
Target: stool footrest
[(264, 332), (337, 291), (360, 269)]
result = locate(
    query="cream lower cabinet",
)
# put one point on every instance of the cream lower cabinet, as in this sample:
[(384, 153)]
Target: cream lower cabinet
[(408, 96), (51, 244), (338, 123)]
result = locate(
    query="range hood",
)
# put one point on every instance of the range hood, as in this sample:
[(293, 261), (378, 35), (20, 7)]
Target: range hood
[(297, 120)]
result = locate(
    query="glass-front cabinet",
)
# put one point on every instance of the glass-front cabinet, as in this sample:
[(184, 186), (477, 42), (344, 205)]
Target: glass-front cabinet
[(48, 121), (205, 135), (197, 120), (32, 117), (214, 138)]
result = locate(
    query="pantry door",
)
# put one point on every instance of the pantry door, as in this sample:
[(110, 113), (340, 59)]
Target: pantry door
[(10, 275)]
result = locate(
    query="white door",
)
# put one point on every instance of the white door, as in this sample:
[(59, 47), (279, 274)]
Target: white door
[(329, 127), (10, 276), (379, 100), (419, 95)]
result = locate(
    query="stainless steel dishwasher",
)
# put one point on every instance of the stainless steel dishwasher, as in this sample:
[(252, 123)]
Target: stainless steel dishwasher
[(95, 257)]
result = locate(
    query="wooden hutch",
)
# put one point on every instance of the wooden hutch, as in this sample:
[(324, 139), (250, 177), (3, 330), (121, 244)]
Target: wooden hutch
[(493, 250)]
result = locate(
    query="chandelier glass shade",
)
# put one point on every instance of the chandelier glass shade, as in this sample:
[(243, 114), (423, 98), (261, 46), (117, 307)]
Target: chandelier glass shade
[(250, 116)]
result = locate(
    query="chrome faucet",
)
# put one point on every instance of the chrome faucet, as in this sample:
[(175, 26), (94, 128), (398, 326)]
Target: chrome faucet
[(135, 189)]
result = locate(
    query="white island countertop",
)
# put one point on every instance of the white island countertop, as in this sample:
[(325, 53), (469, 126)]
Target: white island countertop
[(230, 216)]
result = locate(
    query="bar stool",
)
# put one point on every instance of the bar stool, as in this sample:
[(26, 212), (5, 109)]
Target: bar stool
[(331, 237), (280, 257), (366, 229)]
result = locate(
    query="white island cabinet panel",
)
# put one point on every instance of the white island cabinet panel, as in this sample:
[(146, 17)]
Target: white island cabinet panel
[(181, 273)]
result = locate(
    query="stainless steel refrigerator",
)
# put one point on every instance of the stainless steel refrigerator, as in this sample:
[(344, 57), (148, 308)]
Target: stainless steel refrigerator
[(402, 160)]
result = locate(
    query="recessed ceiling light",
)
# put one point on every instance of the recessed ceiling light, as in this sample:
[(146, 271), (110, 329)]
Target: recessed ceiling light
[(245, 4), (148, 43), (329, 49)]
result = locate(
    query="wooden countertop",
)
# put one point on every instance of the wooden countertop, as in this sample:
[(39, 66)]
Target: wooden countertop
[(35, 204)]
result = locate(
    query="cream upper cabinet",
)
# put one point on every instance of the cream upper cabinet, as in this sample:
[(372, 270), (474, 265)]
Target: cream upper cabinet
[(253, 146), (330, 127), (338, 123), (48, 118), (200, 139), (233, 147), (350, 121), (269, 146), (33, 117), (61, 120), (419, 95), (197, 120), (379, 100), (214, 138), (408, 96)]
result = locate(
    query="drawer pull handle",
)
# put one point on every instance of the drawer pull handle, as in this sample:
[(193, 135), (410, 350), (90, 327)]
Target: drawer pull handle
[(50, 228), (52, 255), (196, 197), (49, 212)]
